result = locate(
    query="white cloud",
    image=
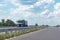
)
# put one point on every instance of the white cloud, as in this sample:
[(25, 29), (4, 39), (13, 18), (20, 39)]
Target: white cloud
[(1, 5), (15, 2), (38, 3), (24, 7), (44, 13), (48, 1), (41, 3), (21, 12), (57, 6), (56, 12)]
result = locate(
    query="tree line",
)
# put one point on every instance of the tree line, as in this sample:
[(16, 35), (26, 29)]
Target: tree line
[(8, 22)]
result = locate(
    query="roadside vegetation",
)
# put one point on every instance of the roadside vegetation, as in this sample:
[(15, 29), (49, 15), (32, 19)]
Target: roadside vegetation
[(57, 26), (7, 35), (6, 23), (10, 34)]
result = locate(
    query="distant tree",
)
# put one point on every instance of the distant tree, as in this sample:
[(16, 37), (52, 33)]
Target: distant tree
[(0, 24), (36, 24), (47, 25), (9, 23), (57, 25), (3, 22), (43, 25)]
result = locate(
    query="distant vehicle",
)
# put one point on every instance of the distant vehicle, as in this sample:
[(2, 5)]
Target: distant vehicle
[(22, 23)]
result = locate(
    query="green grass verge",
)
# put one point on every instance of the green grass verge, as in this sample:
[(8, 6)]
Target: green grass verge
[(17, 33)]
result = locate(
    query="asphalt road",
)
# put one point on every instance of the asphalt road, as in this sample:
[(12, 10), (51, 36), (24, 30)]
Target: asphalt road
[(46, 34)]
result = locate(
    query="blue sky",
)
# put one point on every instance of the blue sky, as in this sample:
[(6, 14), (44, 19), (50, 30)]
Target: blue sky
[(34, 11)]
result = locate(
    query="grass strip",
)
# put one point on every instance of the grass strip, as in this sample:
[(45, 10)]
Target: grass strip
[(8, 35)]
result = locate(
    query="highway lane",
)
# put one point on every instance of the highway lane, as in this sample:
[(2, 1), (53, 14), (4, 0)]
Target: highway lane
[(46, 34)]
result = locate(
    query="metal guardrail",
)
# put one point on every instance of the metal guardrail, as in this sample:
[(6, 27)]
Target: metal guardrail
[(7, 29)]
